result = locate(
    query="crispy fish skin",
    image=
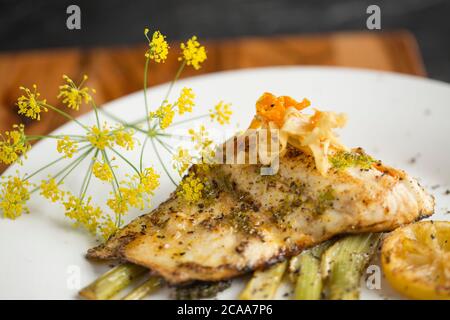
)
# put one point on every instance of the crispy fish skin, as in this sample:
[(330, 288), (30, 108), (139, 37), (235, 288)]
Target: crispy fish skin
[(249, 221)]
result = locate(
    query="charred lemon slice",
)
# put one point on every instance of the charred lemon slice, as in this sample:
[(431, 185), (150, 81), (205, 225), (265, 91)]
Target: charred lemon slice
[(416, 260)]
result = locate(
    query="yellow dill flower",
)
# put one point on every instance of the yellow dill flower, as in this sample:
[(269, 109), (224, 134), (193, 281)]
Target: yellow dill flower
[(134, 197), (182, 160), (50, 190), (193, 53), (221, 113), (203, 144), (149, 180), (73, 95), (123, 137), (191, 188), (165, 115), (135, 192), (100, 138), (159, 48), (67, 146), (185, 102), (200, 138), (14, 145), (102, 171), (119, 202), (107, 228), (14, 195), (83, 212), (30, 105)]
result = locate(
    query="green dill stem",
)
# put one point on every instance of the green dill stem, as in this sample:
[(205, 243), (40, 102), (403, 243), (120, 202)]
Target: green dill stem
[(64, 114), (49, 165), (126, 160), (36, 137), (96, 112), (105, 156), (173, 136), (141, 158), (189, 120), (162, 162), (134, 124), (75, 164), (112, 282), (110, 115), (136, 128), (165, 146), (87, 177), (143, 290), (177, 75), (43, 168), (147, 61)]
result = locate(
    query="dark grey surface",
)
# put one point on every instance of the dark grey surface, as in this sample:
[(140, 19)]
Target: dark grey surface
[(39, 24)]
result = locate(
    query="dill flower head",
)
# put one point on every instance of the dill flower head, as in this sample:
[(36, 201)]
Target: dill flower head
[(73, 95), (13, 144), (102, 171), (159, 48), (123, 137), (165, 115), (200, 138), (221, 113), (50, 190), (182, 160), (134, 192), (30, 105), (191, 188), (107, 228), (193, 53), (14, 194), (185, 102), (67, 146), (203, 144), (100, 138), (119, 202), (83, 213), (149, 180)]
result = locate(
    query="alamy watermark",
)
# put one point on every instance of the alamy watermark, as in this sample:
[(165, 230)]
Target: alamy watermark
[(373, 21), (73, 21), (373, 280), (260, 146)]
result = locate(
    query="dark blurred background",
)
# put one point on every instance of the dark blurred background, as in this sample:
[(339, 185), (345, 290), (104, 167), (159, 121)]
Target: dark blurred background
[(42, 24)]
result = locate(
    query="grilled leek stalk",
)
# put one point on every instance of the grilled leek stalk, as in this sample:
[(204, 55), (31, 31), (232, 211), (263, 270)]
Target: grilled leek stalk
[(305, 269), (112, 282), (343, 263), (143, 290), (264, 283)]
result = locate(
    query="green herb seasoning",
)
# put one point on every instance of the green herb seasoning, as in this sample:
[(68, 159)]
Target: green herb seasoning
[(325, 200), (347, 159)]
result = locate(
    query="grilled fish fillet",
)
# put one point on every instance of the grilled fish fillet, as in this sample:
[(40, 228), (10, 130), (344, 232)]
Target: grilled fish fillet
[(248, 221)]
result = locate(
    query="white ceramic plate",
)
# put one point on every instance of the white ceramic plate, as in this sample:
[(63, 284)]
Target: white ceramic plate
[(396, 118)]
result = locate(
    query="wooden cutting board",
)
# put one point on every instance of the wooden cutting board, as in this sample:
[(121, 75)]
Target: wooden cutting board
[(117, 71)]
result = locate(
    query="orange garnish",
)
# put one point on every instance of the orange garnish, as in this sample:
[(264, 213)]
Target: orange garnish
[(255, 124), (388, 170), (272, 108)]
